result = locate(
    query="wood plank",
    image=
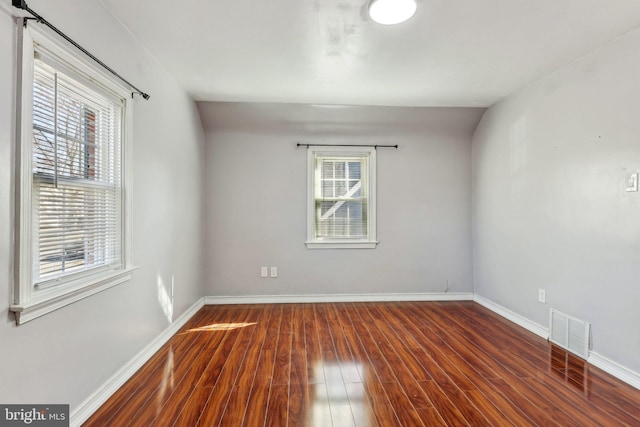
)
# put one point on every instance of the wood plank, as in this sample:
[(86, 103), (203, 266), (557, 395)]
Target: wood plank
[(236, 407), (341, 415), (402, 406), (313, 354), (264, 372), (319, 411), (298, 340), (216, 405), (273, 328), (282, 368), (364, 364), (252, 356), (175, 368), (376, 358), (447, 409), (278, 407), (360, 402), (431, 417), (256, 409), (298, 414), (298, 371), (194, 406), (216, 363)]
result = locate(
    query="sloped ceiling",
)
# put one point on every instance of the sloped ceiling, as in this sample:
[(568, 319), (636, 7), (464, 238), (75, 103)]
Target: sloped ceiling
[(451, 53)]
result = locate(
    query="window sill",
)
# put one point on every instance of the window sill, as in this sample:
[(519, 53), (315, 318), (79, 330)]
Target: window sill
[(40, 305), (341, 245)]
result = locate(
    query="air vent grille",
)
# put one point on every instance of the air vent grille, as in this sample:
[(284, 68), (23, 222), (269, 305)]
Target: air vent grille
[(569, 333)]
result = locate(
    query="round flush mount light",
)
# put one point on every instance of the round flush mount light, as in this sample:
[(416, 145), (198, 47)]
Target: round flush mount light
[(390, 12)]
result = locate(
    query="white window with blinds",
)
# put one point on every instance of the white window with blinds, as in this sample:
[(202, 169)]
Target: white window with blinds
[(341, 197), (72, 231)]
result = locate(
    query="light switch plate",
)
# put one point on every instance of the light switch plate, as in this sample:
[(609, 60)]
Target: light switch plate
[(632, 184)]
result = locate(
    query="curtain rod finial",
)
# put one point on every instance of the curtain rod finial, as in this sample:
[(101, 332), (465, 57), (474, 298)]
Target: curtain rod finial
[(20, 4), (146, 96)]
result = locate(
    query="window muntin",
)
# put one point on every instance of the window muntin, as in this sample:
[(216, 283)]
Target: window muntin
[(341, 211)]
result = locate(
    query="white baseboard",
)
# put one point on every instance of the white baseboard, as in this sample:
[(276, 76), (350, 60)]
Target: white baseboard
[(609, 366), (97, 399), (612, 368), (319, 298), (529, 325)]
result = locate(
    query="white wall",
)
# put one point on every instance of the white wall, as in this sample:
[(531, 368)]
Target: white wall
[(550, 210), (65, 356), (255, 200)]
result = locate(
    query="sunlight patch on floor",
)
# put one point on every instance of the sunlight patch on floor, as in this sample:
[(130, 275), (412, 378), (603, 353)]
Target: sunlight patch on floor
[(221, 327)]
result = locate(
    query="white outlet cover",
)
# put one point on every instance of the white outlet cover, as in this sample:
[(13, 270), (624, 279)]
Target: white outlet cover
[(542, 296), (264, 272), (274, 271)]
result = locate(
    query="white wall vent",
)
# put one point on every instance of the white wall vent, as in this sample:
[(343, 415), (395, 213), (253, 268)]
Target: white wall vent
[(569, 333)]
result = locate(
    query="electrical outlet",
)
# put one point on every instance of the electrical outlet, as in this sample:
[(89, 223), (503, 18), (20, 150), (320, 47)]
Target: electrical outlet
[(274, 271), (542, 296), (264, 271)]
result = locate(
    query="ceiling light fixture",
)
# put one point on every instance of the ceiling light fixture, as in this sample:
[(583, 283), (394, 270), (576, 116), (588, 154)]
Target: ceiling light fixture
[(389, 12)]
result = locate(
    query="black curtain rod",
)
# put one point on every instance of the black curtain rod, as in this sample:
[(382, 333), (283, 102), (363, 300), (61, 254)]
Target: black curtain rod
[(346, 145), (21, 4)]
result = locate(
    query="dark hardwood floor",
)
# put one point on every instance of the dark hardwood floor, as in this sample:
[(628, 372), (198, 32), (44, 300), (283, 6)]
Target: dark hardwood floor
[(365, 364)]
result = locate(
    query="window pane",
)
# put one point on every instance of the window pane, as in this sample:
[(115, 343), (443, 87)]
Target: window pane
[(355, 188), (76, 176), (354, 170), (341, 219), (327, 189), (77, 228), (327, 169)]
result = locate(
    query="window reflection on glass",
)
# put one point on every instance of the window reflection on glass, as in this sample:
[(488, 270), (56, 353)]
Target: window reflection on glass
[(335, 401)]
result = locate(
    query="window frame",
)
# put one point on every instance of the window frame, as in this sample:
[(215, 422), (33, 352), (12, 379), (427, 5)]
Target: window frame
[(313, 242), (29, 303)]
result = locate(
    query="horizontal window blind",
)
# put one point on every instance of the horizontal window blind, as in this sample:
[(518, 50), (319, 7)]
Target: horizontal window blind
[(341, 197), (76, 161)]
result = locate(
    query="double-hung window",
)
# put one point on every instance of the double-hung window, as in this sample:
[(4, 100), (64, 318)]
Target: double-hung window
[(341, 197), (71, 223)]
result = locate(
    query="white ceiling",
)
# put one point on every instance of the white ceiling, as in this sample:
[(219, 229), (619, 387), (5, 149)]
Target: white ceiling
[(451, 53)]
